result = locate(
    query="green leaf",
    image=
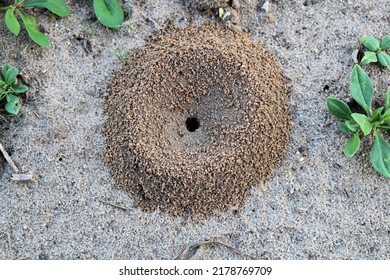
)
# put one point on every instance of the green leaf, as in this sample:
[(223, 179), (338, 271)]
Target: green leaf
[(368, 58), (386, 116), (221, 12), (19, 89), (384, 59), (344, 128), (10, 75), (361, 88), (109, 13), (351, 125), (338, 108), (364, 122), (225, 15), (384, 127), (380, 155), (12, 99), (370, 43), (57, 7), (376, 117), (4, 69), (32, 29), (387, 99), (352, 146), (11, 21), (12, 108), (385, 43)]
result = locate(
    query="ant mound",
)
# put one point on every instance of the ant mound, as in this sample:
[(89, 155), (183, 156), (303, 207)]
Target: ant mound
[(195, 119)]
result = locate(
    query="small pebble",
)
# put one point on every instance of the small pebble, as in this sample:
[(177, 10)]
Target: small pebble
[(265, 6)]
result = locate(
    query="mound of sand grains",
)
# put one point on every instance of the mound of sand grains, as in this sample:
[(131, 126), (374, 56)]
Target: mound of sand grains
[(197, 117)]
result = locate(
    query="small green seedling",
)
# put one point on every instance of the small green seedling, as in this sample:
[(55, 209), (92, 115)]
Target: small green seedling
[(223, 14), (376, 51), (109, 13), (122, 55), (9, 88), (357, 124), (16, 10)]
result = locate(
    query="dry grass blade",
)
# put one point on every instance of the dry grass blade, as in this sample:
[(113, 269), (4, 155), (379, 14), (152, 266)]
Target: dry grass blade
[(8, 158), (185, 251), (115, 205)]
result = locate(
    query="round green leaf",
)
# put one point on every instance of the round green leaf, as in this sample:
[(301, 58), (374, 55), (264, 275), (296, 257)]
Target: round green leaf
[(19, 89), (11, 22), (338, 108), (10, 75), (12, 108), (364, 122), (385, 43), (4, 69), (351, 125), (384, 59), (12, 99), (109, 13), (370, 42), (368, 58), (352, 146)]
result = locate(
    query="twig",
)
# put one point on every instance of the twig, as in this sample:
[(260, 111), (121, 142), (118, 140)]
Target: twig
[(22, 177), (8, 158), (185, 251), (115, 205)]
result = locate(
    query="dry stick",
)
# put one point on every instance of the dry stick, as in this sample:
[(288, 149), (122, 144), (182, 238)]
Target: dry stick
[(115, 205), (8, 158), (190, 247)]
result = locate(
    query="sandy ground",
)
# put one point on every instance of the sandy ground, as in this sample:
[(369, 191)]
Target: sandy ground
[(320, 205)]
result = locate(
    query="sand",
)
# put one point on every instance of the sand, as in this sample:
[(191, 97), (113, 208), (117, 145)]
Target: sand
[(319, 204)]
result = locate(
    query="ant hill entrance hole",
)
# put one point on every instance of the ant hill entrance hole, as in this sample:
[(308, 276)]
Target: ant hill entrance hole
[(232, 92), (192, 124)]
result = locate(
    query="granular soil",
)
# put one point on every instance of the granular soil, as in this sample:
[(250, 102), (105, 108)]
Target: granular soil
[(195, 119)]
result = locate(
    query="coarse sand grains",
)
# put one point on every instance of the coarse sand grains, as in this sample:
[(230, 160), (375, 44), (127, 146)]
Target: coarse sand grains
[(195, 119)]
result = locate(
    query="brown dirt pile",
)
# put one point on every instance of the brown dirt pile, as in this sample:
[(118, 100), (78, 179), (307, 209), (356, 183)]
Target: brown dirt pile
[(197, 118)]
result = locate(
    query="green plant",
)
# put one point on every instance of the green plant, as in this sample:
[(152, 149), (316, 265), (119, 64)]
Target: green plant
[(109, 13), (223, 14), (376, 51), (362, 124), (9, 88), (16, 10), (87, 31)]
